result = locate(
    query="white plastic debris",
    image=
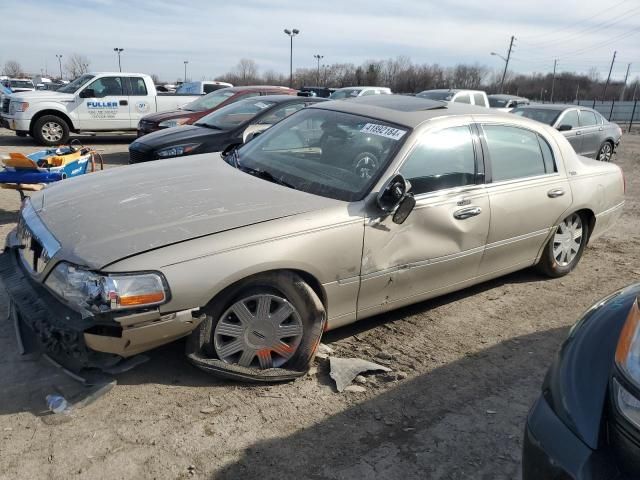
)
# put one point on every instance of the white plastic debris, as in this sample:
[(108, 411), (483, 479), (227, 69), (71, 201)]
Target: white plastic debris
[(344, 370)]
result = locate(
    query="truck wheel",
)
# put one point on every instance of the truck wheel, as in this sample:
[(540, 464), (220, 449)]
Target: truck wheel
[(50, 130)]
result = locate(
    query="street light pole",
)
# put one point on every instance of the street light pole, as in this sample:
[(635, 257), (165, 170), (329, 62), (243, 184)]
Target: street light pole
[(59, 57), (506, 62), (318, 57), (292, 33), (118, 51), (604, 93), (185, 70)]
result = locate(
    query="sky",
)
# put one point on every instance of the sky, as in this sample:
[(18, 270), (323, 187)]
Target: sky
[(213, 35)]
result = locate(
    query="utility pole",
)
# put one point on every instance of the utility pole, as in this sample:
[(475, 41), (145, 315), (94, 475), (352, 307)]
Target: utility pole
[(59, 57), (553, 79), (577, 93), (185, 70), (506, 64), (624, 87), (318, 57), (604, 92), (119, 51)]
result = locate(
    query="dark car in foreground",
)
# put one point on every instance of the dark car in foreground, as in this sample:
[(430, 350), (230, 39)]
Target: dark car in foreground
[(203, 106), (219, 131), (588, 132), (586, 423)]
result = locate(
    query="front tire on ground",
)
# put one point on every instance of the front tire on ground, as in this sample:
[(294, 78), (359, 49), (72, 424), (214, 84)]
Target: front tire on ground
[(272, 320), (565, 248), (606, 152), (50, 130)]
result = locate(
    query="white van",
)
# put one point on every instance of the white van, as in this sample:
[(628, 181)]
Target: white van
[(201, 88)]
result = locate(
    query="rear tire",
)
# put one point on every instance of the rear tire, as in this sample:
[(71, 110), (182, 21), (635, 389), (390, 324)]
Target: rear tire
[(565, 247), (606, 152), (51, 131)]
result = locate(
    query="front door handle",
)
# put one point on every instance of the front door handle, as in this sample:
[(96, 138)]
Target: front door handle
[(124, 103), (578, 132), (556, 192), (465, 213)]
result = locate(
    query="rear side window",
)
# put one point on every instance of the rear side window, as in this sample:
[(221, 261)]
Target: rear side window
[(570, 118), (516, 153), (478, 99), (442, 159), (587, 118), (138, 87), (464, 98)]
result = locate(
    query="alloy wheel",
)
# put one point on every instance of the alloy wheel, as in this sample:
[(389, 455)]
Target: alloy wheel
[(605, 152), (52, 132)]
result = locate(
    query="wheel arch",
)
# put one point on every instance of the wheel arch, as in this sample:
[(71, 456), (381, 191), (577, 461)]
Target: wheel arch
[(51, 111), (591, 220)]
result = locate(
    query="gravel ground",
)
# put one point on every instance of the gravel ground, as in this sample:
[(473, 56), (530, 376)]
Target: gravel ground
[(466, 368)]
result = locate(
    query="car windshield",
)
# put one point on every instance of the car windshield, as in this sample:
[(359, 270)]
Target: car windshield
[(544, 115), (344, 93), (20, 84), (498, 102), (235, 114), (209, 101), (436, 95), (323, 152), (76, 84)]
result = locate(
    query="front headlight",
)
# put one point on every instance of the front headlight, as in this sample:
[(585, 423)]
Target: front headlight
[(104, 292), (628, 362), (178, 150), (18, 107), (175, 122)]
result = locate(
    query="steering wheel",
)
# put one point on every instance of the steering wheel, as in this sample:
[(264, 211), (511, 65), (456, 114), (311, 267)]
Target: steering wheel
[(365, 165)]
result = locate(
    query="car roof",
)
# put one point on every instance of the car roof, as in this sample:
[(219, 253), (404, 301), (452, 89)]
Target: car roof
[(504, 96), (359, 87), (254, 87), (401, 109), (452, 90), (553, 106), (284, 98)]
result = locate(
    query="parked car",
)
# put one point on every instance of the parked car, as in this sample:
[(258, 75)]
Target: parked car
[(201, 87), (305, 228), (586, 422), (20, 85), (472, 97), (203, 106), (353, 92), (4, 92), (94, 102), (506, 103), (323, 92), (219, 131), (588, 132)]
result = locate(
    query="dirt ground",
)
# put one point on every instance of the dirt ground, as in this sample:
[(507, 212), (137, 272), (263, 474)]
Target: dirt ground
[(466, 368)]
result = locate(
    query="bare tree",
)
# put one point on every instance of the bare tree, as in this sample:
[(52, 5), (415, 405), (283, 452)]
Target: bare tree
[(247, 71), (12, 69), (77, 65), (155, 78)]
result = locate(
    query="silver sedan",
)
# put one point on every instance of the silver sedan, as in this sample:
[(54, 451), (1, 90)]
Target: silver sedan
[(342, 211)]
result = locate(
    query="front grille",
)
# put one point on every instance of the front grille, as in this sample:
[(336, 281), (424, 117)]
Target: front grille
[(34, 255), (137, 156), (5, 105)]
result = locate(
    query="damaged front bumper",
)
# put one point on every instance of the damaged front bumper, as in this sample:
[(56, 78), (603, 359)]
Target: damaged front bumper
[(78, 341)]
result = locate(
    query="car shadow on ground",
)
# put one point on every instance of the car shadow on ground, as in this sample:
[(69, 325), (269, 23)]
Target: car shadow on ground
[(467, 415), (29, 142)]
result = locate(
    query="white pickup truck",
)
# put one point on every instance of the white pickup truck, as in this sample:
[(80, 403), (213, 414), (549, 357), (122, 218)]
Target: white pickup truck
[(94, 102)]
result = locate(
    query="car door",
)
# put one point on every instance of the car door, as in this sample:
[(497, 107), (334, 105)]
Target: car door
[(527, 193), (574, 135), (104, 105), (440, 244), (591, 133), (140, 102)]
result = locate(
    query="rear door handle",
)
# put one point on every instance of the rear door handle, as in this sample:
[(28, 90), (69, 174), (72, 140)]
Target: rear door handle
[(556, 192), (468, 212), (124, 103), (578, 132)]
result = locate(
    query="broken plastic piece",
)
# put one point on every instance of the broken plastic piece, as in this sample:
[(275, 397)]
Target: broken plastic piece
[(344, 370)]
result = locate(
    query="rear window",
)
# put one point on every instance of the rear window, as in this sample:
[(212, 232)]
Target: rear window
[(544, 115), (138, 87), (436, 95), (235, 114), (478, 99)]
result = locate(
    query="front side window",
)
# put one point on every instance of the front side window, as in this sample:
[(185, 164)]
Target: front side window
[(280, 113), (570, 118), (515, 153), (587, 118), (478, 99), (138, 87), (442, 159), (464, 98), (76, 84), (107, 86), (323, 152)]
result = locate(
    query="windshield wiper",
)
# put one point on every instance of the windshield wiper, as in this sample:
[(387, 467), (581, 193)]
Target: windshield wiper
[(264, 174)]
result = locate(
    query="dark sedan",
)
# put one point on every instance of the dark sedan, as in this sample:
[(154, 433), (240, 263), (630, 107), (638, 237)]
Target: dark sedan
[(219, 131), (586, 423), (588, 132)]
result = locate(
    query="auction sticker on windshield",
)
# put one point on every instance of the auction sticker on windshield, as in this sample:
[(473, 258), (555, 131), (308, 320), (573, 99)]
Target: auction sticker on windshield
[(383, 131)]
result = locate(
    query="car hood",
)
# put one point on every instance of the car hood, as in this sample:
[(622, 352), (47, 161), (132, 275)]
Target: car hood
[(177, 136), (104, 217), (42, 95), (170, 115)]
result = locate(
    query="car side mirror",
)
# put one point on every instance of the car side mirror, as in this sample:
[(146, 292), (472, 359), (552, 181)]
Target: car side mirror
[(88, 93), (251, 135), (564, 128), (394, 193)]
